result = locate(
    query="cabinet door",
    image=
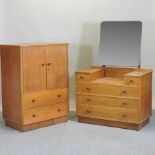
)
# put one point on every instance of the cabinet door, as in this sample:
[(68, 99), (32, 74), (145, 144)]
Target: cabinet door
[(34, 68), (57, 66)]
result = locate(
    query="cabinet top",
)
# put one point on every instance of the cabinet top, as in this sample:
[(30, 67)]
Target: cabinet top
[(32, 44)]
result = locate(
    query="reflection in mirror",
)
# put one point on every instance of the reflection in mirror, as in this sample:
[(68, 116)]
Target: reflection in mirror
[(120, 43)]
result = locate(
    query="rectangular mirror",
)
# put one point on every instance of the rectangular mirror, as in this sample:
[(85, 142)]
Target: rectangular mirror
[(120, 43)]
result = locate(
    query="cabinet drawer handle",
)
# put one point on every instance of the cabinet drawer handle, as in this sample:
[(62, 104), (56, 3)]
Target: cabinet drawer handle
[(124, 104), (89, 89), (124, 92), (88, 99), (88, 111), (43, 65), (131, 81), (59, 95), (33, 100), (124, 115), (33, 115), (59, 110), (48, 64), (81, 77)]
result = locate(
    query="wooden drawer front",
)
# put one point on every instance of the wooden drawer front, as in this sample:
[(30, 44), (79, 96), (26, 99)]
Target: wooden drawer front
[(44, 98), (107, 90), (45, 113), (131, 80), (82, 77), (107, 101), (108, 113)]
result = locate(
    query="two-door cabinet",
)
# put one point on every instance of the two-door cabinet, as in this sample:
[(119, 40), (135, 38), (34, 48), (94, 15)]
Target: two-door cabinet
[(34, 85)]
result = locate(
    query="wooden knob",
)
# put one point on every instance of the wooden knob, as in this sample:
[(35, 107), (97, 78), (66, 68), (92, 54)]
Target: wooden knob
[(124, 92), (59, 110), (88, 99), (59, 95), (124, 103), (81, 77), (124, 116), (43, 65), (88, 111), (33, 100), (48, 64), (131, 81), (33, 115), (88, 88)]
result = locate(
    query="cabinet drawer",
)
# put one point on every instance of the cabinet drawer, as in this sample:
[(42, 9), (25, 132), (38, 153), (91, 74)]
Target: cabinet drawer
[(131, 80), (83, 77), (45, 113), (126, 91), (44, 98), (107, 113), (107, 101)]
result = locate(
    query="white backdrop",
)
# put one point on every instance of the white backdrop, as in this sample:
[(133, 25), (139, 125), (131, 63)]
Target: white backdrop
[(76, 22)]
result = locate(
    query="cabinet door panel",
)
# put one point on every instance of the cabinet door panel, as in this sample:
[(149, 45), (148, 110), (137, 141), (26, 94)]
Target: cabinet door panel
[(57, 66), (34, 68)]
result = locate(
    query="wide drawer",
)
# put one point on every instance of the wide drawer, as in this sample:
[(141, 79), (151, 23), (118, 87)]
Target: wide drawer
[(44, 98), (107, 101), (45, 113), (107, 113), (126, 91)]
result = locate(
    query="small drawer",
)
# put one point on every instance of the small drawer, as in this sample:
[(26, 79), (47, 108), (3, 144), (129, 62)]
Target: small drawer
[(123, 91), (44, 98), (107, 113), (45, 113), (107, 101), (83, 77), (131, 80)]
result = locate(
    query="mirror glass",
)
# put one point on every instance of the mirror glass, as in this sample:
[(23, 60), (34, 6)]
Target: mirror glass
[(120, 43)]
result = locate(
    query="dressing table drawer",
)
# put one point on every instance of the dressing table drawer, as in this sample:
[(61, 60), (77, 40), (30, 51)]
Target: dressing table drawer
[(83, 77), (131, 81), (107, 101), (101, 112), (45, 113), (111, 90)]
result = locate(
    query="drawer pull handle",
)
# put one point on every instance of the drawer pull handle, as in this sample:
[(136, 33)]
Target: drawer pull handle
[(59, 95), (89, 89), (48, 64), (131, 81), (33, 100), (81, 77), (59, 110), (88, 99), (124, 92), (124, 116), (124, 104), (33, 115), (43, 65), (88, 111)]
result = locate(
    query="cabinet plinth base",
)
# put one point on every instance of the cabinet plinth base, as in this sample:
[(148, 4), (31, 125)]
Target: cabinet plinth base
[(35, 125), (117, 124)]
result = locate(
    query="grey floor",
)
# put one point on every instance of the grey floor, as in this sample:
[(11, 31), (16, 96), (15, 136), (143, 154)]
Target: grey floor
[(73, 138)]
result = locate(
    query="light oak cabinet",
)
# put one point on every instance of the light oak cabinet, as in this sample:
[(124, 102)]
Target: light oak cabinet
[(34, 85), (117, 92), (113, 96)]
